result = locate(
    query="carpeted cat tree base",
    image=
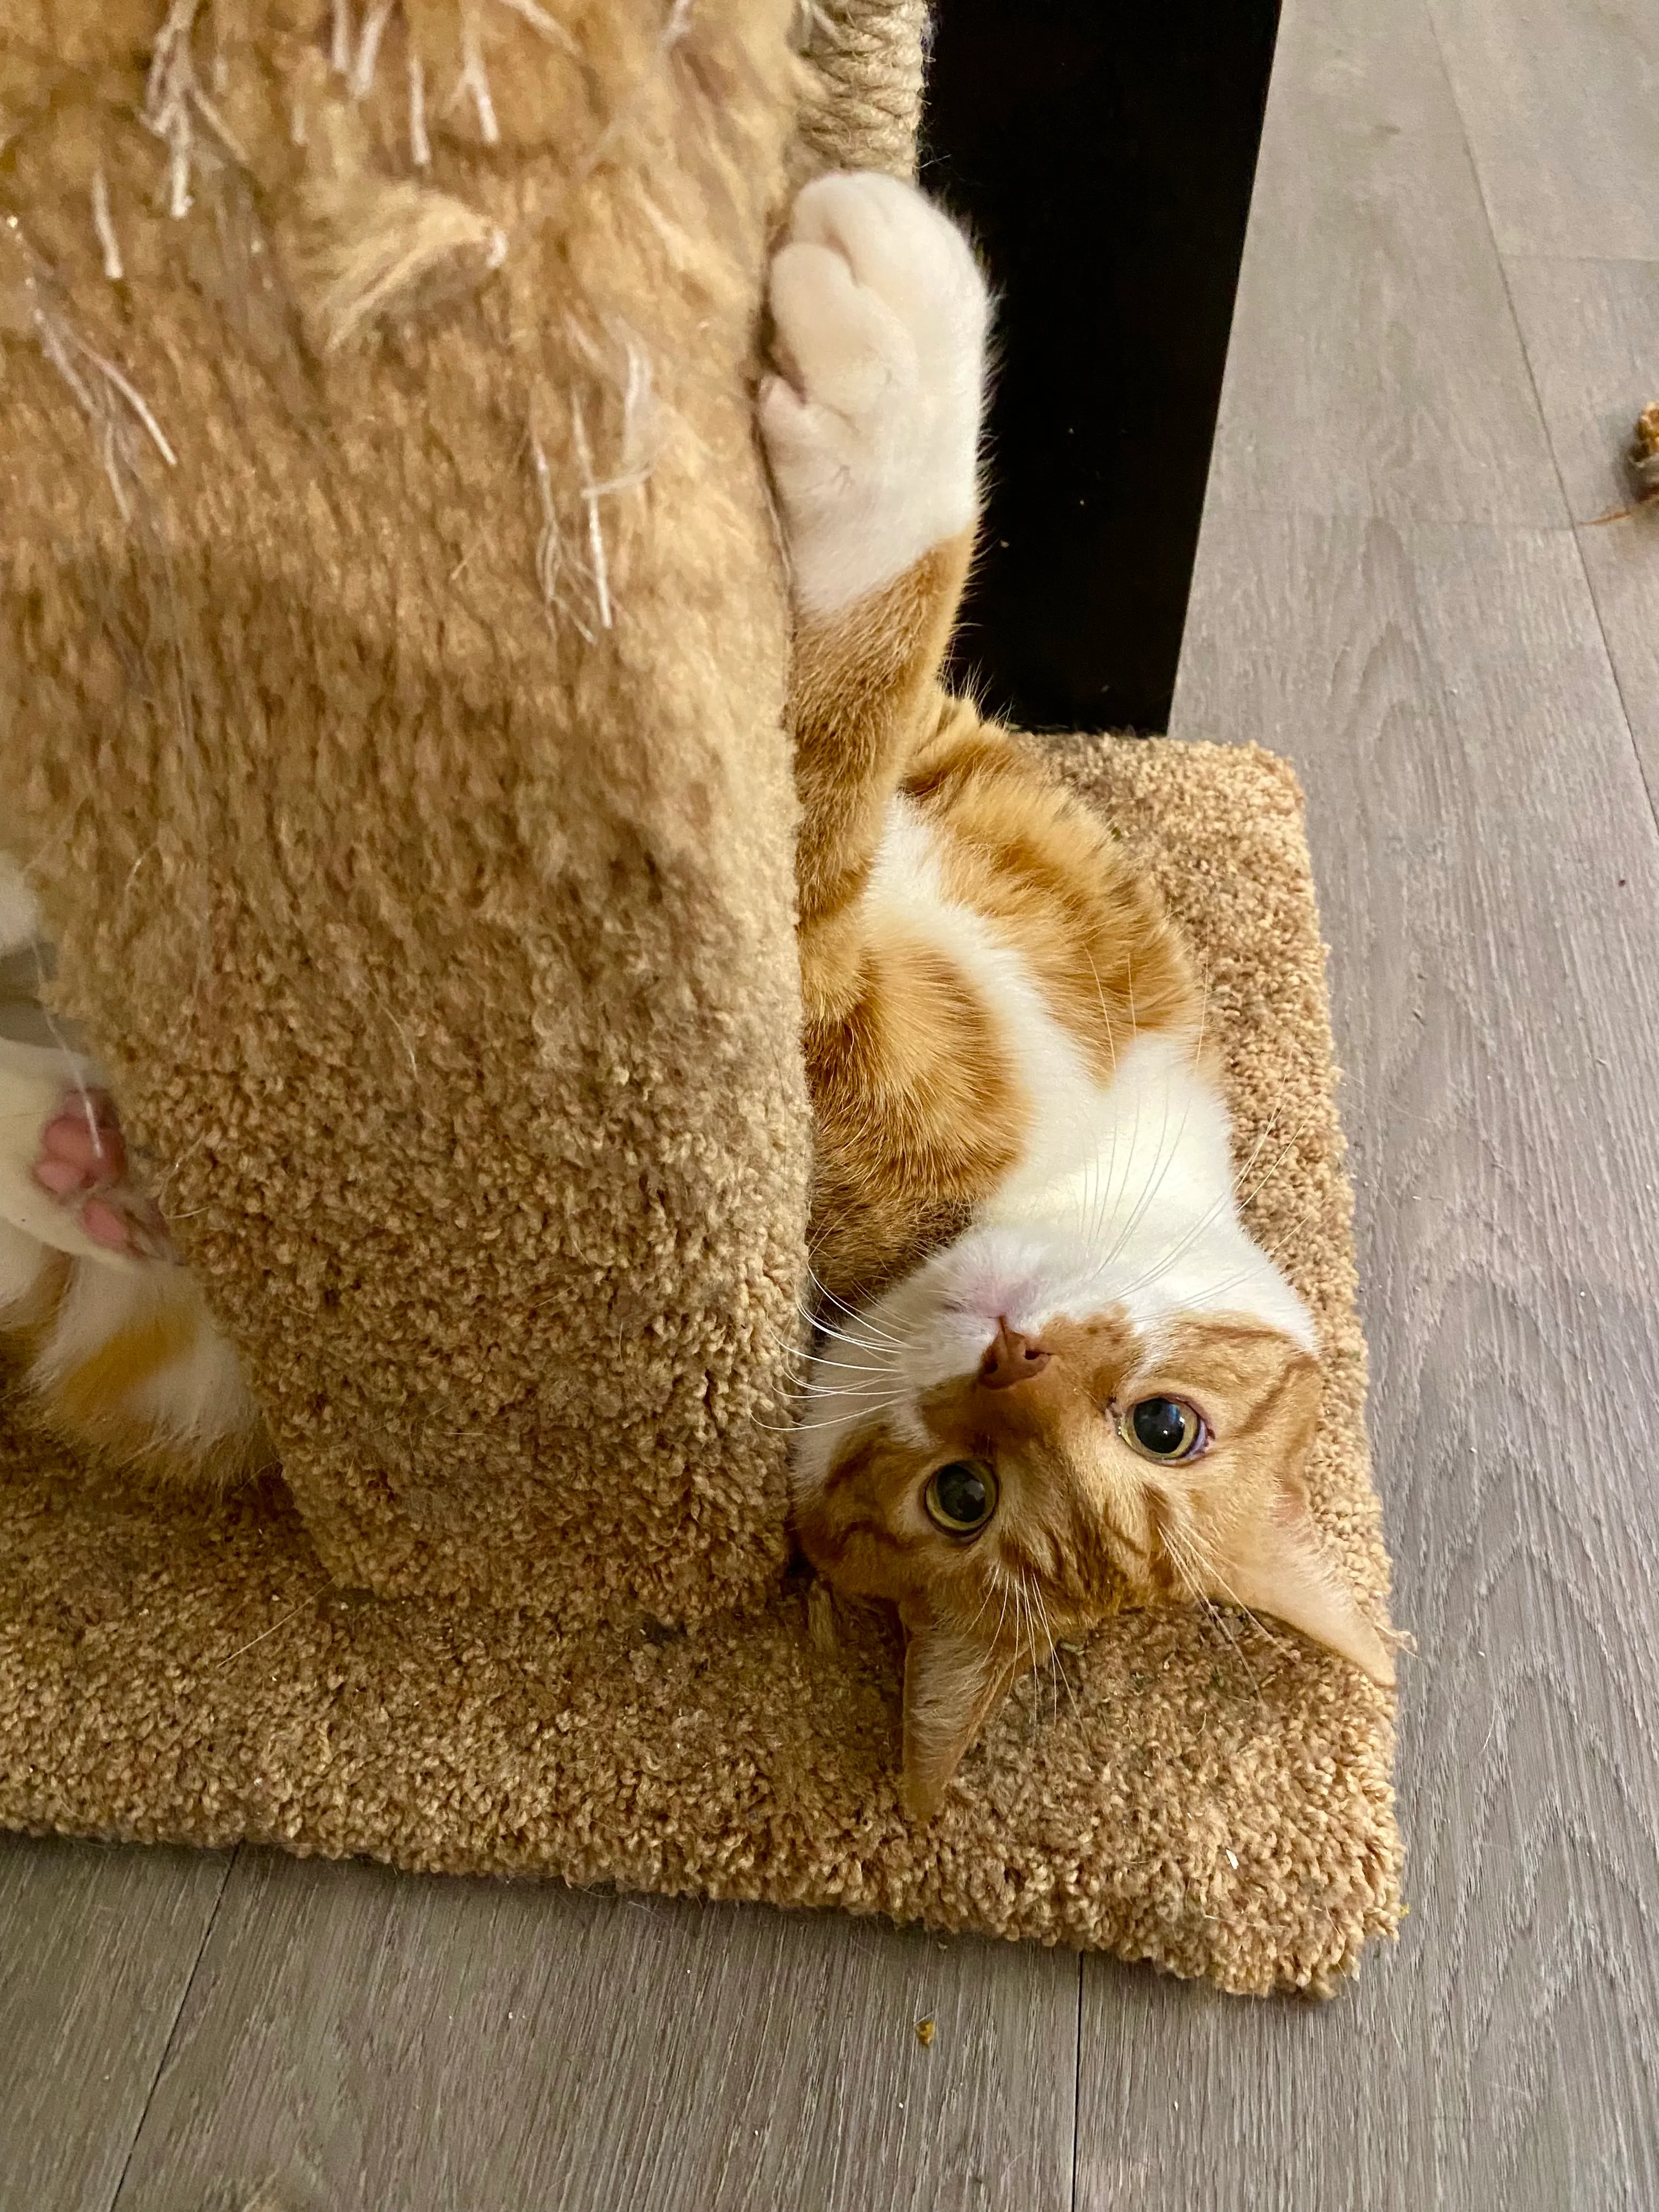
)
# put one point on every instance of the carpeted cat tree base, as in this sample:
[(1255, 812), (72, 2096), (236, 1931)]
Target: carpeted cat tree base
[(1201, 1791)]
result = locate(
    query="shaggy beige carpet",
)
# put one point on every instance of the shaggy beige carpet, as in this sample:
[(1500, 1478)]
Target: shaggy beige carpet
[(1203, 1791)]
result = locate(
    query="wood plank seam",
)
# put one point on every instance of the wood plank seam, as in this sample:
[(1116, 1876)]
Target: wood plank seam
[(166, 2052)]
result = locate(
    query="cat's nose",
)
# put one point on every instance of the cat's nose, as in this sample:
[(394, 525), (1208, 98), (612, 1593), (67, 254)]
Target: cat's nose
[(1011, 1358)]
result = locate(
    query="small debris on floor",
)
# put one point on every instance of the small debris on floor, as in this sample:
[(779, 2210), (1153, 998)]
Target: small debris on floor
[(926, 2029), (1641, 466), (1643, 459)]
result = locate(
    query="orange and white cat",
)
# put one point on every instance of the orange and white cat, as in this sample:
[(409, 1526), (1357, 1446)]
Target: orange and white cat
[(1052, 1375)]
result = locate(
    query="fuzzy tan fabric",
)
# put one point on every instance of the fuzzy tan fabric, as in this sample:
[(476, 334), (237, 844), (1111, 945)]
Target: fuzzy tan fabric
[(1208, 1794), (394, 635)]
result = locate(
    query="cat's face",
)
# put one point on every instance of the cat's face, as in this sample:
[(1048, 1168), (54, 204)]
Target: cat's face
[(1010, 1453)]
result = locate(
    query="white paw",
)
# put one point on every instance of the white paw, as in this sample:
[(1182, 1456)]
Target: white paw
[(871, 423)]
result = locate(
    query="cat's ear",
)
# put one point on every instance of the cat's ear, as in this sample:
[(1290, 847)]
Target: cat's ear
[(953, 1685), (1278, 1565)]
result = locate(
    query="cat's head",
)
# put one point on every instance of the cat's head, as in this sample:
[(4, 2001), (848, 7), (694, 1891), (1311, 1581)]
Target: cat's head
[(1017, 1441)]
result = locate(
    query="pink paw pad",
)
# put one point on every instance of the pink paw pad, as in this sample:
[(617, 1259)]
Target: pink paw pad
[(83, 1163)]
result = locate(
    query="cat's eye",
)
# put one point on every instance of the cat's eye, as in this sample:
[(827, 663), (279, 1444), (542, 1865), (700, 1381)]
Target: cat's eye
[(1164, 1428), (962, 1497)]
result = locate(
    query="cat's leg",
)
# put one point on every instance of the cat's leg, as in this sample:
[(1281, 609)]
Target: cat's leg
[(120, 1354), (871, 425), (118, 1351)]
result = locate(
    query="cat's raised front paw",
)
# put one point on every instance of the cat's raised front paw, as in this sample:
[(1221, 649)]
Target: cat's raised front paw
[(872, 422)]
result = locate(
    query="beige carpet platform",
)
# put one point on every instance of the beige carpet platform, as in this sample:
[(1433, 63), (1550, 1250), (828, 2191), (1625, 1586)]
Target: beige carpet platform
[(1197, 1791)]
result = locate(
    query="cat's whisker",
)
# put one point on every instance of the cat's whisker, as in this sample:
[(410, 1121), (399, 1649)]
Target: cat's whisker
[(979, 1615), (852, 1312), (1055, 1665), (1203, 1577), (1262, 1628), (1236, 1647), (1248, 1197), (838, 1389), (854, 1328), (818, 1327), (1095, 1176), (1019, 1595), (1155, 1175), (1167, 1260), (801, 1428), (1161, 1163), (849, 1366), (859, 1344), (1282, 1245), (1274, 1252), (1107, 1195)]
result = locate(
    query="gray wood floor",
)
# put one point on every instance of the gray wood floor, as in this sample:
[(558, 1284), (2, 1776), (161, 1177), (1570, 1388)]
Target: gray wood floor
[(1450, 316)]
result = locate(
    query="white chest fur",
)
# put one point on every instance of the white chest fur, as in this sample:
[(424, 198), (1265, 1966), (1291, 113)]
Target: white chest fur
[(1132, 1177)]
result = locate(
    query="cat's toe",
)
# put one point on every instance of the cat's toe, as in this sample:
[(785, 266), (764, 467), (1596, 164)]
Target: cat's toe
[(82, 1161), (900, 249), (836, 341), (81, 1146)]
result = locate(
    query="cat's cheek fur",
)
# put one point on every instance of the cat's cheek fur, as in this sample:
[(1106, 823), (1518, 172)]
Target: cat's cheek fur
[(871, 429)]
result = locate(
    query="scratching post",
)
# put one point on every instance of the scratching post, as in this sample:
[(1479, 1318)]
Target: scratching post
[(397, 640), (863, 100), (394, 641)]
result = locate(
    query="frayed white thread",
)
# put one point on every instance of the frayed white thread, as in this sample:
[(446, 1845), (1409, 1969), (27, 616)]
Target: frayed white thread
[(297, 133), (592, 494), (135, 399), (420, 146), (173, 98), (621, 115), (540, 21), (369, 48), (63, 347), (815, 26), (638, 413), (104, 224), (641, 424), (339, 44), (640, 444), (474, 83), (550, 547), (167, 99)]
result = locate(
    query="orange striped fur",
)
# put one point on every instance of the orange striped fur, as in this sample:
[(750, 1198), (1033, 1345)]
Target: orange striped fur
[(922, 1117)]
